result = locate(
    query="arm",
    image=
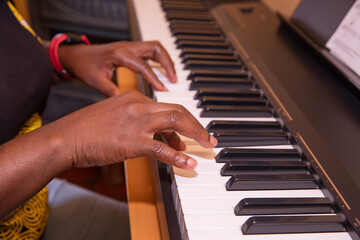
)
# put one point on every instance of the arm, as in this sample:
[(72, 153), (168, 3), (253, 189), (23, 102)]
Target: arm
[(27, 164), (107, 132)]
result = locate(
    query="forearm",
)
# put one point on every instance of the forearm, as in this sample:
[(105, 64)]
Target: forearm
[(27, 164)]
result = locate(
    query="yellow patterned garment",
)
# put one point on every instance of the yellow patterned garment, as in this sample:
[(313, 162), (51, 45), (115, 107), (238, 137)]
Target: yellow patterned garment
[(29, 220)]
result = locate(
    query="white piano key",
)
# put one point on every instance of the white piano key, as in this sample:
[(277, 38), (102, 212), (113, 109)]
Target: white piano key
[(236, 234), (188, 103), (201, 179), (219, 192), (163, 96), (208, 206), (203, 168), (214, 221), (176, 87), (218, 221), (217, 150), (209, 167)]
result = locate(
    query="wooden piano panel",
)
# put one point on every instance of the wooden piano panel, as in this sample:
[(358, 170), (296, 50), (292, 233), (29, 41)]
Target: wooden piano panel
[(143, 191)]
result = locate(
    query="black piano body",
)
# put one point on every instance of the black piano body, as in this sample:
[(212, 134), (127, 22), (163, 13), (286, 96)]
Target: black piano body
[(311, 97)]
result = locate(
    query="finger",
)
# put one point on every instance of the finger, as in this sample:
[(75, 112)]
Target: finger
[(138, 65), (162, 56), (177, 121), (174, 141), (105, 86), (160, 151), (161, 106)]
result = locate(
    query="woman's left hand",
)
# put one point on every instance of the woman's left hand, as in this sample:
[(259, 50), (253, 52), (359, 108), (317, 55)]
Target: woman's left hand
[(95, 64)]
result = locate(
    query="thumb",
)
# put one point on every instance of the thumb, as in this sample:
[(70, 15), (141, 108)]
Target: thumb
[(106, 87)]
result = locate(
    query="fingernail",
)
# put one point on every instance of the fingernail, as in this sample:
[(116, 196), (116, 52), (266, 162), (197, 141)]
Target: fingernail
[(191, 163), (213, 140)]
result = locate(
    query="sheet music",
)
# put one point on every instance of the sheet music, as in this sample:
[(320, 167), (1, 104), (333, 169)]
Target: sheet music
[(345, 42)]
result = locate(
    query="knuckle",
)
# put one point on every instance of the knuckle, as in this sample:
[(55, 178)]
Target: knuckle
[(158, 47), (135, 93), (174, 117), (155, 42), (157, 149), (132, 95), (117, 49), (133, 107), (119, 54), (176, 160), (145, 69), (179, 108)]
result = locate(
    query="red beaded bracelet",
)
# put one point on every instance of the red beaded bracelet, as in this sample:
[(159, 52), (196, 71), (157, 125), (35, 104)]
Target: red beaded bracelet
[(56, 41)]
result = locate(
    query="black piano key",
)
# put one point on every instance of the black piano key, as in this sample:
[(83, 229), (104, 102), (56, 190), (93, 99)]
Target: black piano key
[(241, 182), (195, 2), (203, 57), (210, 65), (236, 154), (246, 138), (208, 92), (193, 25), (173, 23), (185, 28), (231, 101), (293, 224), (265, 206), (183, 6), (264, 167), (184, 15), (218, 125), (196, 32), (182, 1), (216, 83), (206, 51), (201, 44), (218, 73), (236, 111), (200, 38), (213, 79)]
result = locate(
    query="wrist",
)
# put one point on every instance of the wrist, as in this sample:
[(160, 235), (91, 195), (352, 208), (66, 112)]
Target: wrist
[(60, 39)]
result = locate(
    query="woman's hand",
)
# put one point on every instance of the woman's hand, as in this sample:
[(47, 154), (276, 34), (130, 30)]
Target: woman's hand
[(123, 127), (95, 64), (107, 132)]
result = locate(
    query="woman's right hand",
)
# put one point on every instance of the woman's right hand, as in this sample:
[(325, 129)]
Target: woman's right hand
[(123, 127)]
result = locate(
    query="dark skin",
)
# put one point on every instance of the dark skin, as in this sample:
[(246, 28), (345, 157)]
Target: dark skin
[(105, 58), (119, 128)]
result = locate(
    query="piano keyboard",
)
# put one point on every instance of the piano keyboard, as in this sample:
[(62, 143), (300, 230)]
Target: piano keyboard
[(255, 184)]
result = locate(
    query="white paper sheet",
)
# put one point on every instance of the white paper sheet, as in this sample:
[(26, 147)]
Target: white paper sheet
[(344, 44)]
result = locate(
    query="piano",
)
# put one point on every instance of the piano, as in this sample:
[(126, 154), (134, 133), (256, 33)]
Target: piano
[(286, 117)]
